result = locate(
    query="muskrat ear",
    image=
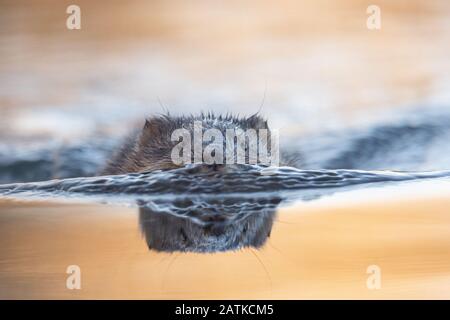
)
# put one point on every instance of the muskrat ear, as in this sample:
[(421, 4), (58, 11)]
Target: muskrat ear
[(154, 124), (257, 122), (155, 129), (150, 130)]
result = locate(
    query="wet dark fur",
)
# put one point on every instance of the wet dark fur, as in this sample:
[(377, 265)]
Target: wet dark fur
[(149, 148)]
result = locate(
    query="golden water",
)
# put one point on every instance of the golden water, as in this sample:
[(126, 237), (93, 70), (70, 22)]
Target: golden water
[(317, 65), (318, 249)]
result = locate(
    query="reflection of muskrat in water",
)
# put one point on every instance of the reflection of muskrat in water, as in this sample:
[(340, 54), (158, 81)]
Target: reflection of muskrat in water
[(208, 225), (150, 148)]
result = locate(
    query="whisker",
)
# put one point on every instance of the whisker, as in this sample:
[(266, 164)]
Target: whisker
[(167, 270), (265, 269), (281, 221)]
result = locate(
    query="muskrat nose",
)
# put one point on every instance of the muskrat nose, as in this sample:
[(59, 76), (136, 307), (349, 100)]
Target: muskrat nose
[(216, 168)]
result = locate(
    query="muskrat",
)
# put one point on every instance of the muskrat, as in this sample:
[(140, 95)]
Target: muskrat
[(196, 225), (149, 148)]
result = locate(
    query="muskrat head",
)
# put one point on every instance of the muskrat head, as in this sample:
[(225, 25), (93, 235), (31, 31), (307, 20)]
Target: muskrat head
[(152, 148)]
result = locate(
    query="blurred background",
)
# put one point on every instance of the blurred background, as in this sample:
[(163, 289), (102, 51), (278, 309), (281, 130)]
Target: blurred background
[(344, 95), (309, 66)]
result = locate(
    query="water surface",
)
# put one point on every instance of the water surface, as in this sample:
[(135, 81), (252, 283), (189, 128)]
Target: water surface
[(367, 112)]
